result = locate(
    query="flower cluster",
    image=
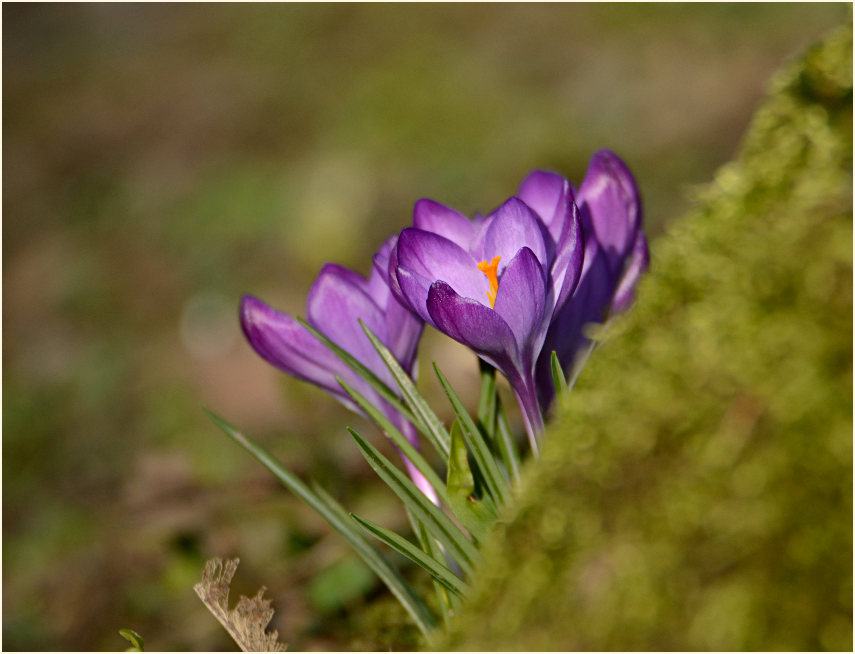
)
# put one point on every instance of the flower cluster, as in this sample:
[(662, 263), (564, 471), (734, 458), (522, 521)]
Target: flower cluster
[(517, 287), (337, 301), (513, 286)]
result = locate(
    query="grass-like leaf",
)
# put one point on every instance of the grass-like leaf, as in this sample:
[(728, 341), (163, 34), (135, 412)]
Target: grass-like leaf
[(496, 484), (487, 400), (474, 515), (436, 570), (398, 438), (376, 383), (339, 521), (433, 428), (507, 445), (136, 641), (558, 379), (439, 524), (447, 601), (489, 410), (247, 622)]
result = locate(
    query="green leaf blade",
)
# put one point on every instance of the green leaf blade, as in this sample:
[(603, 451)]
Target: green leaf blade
[(376, 383), (136, 641), (401, 545), (447, 601), (507, 446), (435, 431), (487, 399), (369, 553), (460, 547), (474, 515), (398, 438), (496, 484), (558, 378), (494, 423)]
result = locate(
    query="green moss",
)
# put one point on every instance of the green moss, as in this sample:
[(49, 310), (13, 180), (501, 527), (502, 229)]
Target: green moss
[(695, 491)]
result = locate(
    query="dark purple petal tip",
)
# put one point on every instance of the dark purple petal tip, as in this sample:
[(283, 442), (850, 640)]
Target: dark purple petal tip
[(284, 343), (473, 324)]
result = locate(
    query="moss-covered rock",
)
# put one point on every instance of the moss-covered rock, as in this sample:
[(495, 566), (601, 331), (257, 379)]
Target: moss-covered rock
[(695, 491)]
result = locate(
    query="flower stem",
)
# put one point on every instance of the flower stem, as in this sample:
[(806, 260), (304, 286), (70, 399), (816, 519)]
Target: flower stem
[(532, 416)]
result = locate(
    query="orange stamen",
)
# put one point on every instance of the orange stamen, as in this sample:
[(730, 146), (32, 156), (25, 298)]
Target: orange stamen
[(491, 270)]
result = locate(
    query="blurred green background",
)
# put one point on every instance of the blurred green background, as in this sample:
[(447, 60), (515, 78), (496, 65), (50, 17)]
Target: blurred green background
[(160, 160)]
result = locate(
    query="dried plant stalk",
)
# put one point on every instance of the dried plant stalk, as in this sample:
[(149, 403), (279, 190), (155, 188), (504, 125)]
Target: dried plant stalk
[(247, 622)]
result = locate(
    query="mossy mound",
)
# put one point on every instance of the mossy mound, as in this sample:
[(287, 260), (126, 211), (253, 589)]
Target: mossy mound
[(696, 490)]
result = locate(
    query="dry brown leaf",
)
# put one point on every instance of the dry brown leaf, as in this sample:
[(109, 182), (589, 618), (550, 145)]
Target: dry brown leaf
[(247, 622)]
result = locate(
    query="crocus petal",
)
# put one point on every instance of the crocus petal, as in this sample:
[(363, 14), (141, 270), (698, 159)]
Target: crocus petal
[(513, 226), (414, 290), (336, 302), (379, 281), (403, 331), (569, 257), (565, 336), (481, 225), (283, 342), (609, 200), (392, 274), (339, 298), (437, 218), (548, 194), (485, 332), (521, 300), (595, 289), (434, 257), (476, 326), (403, 327), (625, 293), (351, 278)]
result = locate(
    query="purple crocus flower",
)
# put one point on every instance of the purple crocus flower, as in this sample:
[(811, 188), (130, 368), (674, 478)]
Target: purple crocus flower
[(493, 284), (338, 299), (615, 256)]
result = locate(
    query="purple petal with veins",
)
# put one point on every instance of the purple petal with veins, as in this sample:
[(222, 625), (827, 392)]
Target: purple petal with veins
[(475, 325), (514, 225), (548, 194), (569, 258), (610, 202), (284, 343), (521, 303), (432, 257), (434, 217), (336, 303)]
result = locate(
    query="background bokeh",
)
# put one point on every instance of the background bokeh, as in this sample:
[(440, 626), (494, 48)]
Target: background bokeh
[(161, 160)]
